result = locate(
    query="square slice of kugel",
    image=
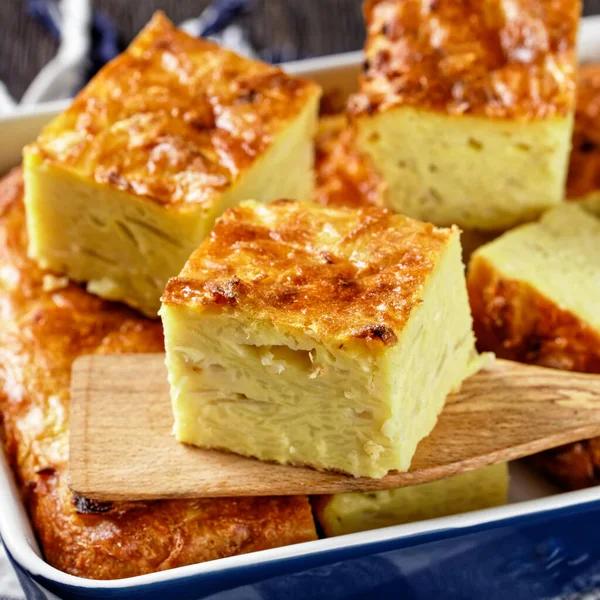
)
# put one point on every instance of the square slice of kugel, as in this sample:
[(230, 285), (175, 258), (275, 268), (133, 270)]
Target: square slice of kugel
[(535, 291), (466, 108), (317, 335), (123, 185)]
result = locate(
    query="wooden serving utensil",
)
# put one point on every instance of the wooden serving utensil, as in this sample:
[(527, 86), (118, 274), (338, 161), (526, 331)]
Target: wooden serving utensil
[(122, 447)]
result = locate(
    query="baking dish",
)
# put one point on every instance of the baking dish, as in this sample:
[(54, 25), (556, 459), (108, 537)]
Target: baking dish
[(516, 546)]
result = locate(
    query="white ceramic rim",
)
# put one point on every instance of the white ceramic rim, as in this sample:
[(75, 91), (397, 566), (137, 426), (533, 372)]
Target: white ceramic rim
[(15, 527)]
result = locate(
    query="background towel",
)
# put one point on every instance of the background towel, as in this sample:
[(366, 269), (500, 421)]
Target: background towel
[(9, 586)]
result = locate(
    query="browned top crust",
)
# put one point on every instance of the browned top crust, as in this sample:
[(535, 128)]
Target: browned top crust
[(344, 176), (512, 60), (174, 118), (346, 277), (42, 332), (584, 166)]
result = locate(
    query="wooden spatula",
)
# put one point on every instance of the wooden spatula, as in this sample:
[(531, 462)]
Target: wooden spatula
[(122, 447)]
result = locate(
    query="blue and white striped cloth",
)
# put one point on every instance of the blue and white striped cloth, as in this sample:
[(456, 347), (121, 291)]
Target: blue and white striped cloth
[(88, 39)]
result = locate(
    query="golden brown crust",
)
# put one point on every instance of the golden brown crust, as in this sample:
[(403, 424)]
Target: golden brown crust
[(344, 176), (42, 333), (341, 275), (584, 165), (174, 118), (137, 538), (516, 322), (513, 60)]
